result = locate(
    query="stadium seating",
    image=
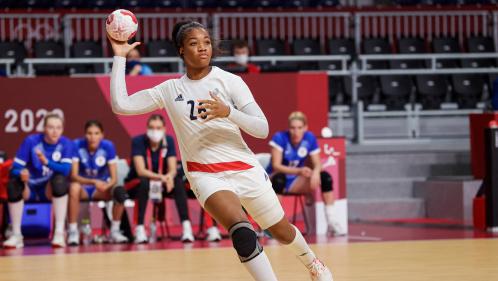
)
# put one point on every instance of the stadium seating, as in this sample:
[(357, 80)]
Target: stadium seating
[(367, 88), (49, 49), (468, 89), (431, 90), (446, 45), (376, 46), (396, 91), (162, 48), (87, 49), (304, 47)]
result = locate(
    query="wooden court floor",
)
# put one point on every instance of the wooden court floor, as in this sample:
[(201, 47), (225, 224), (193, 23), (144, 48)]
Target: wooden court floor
[(435, 260)]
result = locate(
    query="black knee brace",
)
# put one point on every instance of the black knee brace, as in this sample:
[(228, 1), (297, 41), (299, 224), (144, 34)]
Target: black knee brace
[(279, 181), (60, 185), (119, 194), (245, 241), (15, 188), (327, 181)]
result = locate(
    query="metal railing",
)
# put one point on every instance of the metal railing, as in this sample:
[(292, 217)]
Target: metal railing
[(29, 27), (423, 24), (8, 65), (284, 26), (152, 26)]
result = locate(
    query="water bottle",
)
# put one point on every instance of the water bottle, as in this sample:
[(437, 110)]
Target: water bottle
[(86, 231), (153, 232)]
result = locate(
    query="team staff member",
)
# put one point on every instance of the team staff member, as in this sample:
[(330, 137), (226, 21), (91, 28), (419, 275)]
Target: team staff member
[(42, 164), (94, 176), (154, 164), (289, 173), (208, 107)]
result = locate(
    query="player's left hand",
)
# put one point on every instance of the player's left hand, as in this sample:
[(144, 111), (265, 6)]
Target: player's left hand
[(101, 185), (41, 157), (315, 180), (214, 108)]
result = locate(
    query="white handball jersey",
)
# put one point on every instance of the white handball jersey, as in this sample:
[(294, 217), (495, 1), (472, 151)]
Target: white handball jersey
[(214, 146)]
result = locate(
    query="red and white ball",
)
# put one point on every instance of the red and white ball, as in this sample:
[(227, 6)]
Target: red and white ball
[(121, 25)]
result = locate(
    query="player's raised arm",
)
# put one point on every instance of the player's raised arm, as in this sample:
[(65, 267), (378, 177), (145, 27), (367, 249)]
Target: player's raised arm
[(138, 103)]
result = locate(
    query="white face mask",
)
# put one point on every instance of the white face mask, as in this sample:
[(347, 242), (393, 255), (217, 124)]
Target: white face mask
[(155, 135), (242, 59)]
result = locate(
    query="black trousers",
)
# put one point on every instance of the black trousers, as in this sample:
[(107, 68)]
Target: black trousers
[(139, 189)]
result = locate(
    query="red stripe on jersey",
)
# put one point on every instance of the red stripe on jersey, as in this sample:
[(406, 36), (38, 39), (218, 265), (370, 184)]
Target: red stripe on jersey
[(218, 167)]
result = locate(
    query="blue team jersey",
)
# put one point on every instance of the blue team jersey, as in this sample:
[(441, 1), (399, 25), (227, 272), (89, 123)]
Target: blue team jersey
[(293, 156), (94, 165), (61, 152)]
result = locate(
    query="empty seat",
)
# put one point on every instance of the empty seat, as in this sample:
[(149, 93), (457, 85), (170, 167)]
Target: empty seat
[(376, 46), (268, 3), (304, 47), (101, 4), (67, 3), (373, 46), (235, 3), (446, 45), (168, 3), (367, 88), (342, 46), (270, 47), (406, 64), (202, 3), (338, 46), (411, 45), (87, 49), (468, 89), (396, 91), (12, 50), (49, 49), (32, 3), (431, 90), (162, 48), (135, 3), (325, 3), (479, 45)]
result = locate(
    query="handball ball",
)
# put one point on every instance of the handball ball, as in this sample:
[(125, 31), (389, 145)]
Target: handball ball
[(121, 25)]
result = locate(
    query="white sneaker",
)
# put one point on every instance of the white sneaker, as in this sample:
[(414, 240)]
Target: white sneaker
[(213, 234), (73, 238), (8, 231), (118, 237), (58, 241), (335, 229), (319, 272), (187, 235), (140, 236), (15, 241)]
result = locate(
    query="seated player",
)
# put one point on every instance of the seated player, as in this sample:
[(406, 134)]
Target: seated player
[(40, 172), (289, 174), (94, 177), (154, 172), (134, 66)]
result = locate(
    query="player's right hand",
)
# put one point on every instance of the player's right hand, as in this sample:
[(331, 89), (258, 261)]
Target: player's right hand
[(121, 49), (24, 175)]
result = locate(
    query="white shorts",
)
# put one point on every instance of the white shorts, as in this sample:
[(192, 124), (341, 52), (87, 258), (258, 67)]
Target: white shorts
[(253, 187)]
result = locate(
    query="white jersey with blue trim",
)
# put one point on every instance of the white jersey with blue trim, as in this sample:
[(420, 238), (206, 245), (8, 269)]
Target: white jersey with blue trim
[(216, 145)]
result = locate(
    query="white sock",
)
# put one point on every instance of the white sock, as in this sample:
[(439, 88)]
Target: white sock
[(60, 210), (15, 210), (329, 213), (260, 268), (73, 227), (115, 225), (301, 249)]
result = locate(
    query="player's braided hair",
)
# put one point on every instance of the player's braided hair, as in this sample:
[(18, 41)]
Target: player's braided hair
[(180, 31)]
